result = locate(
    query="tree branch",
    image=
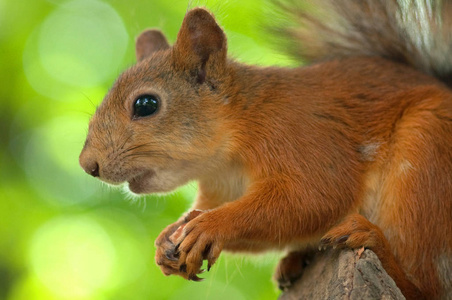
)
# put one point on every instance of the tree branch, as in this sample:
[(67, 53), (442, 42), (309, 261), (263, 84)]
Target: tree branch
[(344, 274)]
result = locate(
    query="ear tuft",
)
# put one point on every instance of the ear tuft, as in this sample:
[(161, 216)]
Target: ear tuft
[(205, 35), (199, 39), (148, 42)]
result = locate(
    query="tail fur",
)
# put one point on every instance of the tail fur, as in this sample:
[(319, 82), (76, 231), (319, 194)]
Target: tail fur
[(415, 32)]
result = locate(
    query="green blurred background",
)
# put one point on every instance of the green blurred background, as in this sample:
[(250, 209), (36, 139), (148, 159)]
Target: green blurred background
[(63, 234)]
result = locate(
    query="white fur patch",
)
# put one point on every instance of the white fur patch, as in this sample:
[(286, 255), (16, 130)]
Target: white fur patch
[(369, 150), (405, 167), (444, 266)]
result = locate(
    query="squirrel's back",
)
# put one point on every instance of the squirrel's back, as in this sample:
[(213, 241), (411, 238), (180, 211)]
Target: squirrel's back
[(415, 32)]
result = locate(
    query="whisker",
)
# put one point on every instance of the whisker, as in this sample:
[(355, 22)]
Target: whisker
[(147, 154), (136, 147), (125, 141), (160, 154), (89, 99)]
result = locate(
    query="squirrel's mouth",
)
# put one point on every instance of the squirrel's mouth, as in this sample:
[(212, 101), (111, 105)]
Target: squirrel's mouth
[(141, 183)]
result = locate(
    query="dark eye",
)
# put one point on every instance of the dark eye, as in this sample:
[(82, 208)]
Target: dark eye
[(145, 105)]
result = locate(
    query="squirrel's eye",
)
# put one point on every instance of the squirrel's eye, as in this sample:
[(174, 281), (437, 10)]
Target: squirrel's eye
[(145, 105)]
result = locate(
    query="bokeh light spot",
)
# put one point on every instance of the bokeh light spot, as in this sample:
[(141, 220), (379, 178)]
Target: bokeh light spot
[(82, 42), (72, 257)]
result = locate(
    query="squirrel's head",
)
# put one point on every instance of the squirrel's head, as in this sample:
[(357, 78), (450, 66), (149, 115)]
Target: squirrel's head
[(160, 125)]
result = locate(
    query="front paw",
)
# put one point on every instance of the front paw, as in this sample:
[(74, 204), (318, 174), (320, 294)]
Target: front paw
[(167, 259), (169, 262), (355, 232), (167, 255), (198, 241)]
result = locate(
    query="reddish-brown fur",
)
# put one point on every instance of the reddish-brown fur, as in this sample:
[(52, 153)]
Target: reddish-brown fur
[(282, 156)]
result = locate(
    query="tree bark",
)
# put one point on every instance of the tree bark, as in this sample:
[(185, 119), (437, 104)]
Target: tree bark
[(344, 274)]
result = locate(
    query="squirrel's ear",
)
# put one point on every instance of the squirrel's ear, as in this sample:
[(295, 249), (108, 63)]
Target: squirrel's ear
[(148, 42), (200, 40)]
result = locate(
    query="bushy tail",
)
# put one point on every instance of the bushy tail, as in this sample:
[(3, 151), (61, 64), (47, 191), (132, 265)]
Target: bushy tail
[(416, 32)]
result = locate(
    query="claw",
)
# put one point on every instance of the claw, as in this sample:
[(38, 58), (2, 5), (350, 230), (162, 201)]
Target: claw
[(171, 255), (193, 277), (210, 261), (324, 242), (342, 239)]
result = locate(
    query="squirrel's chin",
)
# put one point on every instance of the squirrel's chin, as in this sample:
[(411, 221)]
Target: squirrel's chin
[(137, 188), (149, 183), (143, 183), (155, 182)]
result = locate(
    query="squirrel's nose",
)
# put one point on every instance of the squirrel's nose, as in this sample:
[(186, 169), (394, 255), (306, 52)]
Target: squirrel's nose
[(93, 170), (89, 164)]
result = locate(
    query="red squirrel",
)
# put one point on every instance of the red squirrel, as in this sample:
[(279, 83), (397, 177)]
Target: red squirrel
[(354, 149)]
